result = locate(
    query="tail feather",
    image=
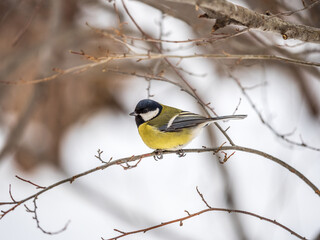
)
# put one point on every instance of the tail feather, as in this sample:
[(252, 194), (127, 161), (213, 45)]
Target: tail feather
[(214, 119)]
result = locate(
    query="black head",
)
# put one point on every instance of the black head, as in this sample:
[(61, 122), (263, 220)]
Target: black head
[(146, 110)]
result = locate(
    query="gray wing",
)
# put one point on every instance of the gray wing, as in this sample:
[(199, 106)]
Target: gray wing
[(190, 120), (183, 120)]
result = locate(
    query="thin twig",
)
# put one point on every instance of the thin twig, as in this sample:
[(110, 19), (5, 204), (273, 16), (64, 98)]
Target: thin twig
[(289, 13), (104, 60), (202, 198), (10, 193), (282, 136), (237, 107), (99, 157), (36, 185), (36, 218), (26, 26), (210, 39)]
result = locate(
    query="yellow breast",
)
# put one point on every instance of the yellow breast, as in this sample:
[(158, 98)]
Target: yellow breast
[(156, 139)]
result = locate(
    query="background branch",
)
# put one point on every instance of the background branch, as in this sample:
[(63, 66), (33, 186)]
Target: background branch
[(227, 13), (209, 209)]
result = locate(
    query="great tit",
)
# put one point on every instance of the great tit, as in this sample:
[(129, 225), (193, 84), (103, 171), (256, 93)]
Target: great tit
[(166, 128)]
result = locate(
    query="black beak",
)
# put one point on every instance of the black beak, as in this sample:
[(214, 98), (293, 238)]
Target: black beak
[(133, 114)]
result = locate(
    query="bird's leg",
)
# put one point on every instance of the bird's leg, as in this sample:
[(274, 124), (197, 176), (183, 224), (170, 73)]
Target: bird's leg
[(158, 155), (181, 153)]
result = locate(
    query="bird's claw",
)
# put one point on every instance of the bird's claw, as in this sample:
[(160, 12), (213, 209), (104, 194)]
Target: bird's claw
[(158, 155), (181, 153)]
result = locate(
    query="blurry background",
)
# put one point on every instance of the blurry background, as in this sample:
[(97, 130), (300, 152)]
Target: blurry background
[(52, 130)]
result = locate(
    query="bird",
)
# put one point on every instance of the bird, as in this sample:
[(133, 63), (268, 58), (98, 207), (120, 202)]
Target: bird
[(167, 128)]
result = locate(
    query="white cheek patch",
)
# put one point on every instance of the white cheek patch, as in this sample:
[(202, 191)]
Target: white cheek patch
[(149, 115)]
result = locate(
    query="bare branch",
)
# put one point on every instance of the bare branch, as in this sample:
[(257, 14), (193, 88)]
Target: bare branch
[(142, 156), (228, 13), (180, 220), (150, 56), (282, 136), (213, 38)]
